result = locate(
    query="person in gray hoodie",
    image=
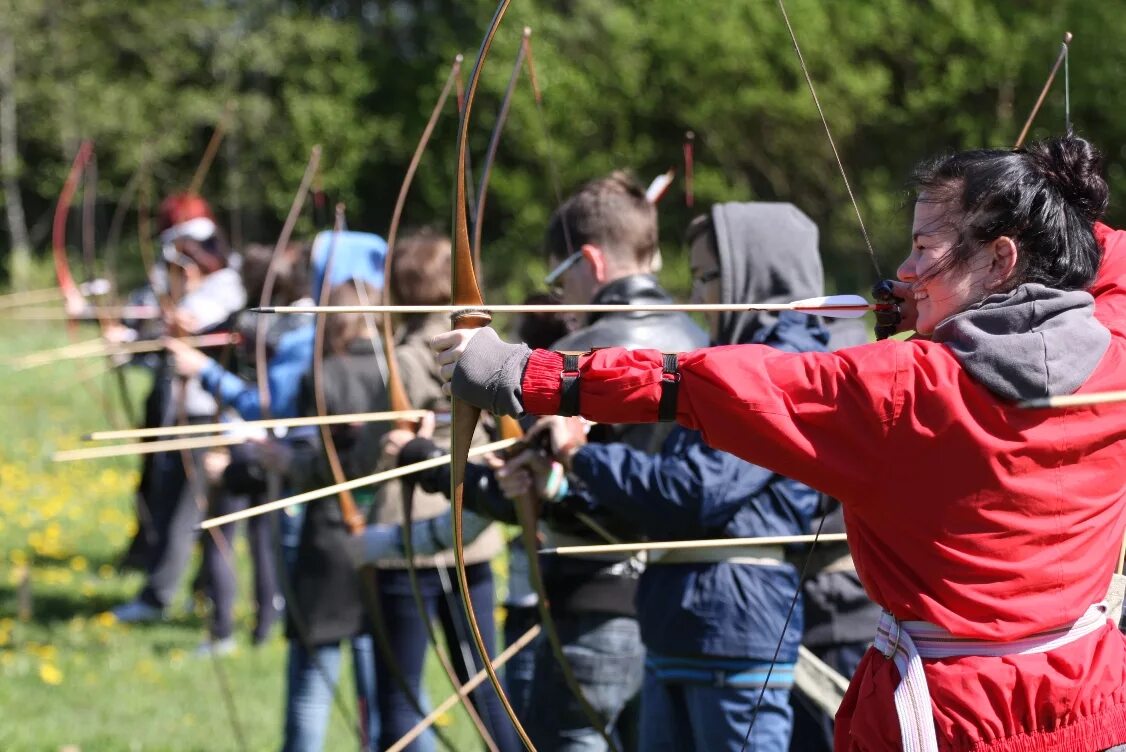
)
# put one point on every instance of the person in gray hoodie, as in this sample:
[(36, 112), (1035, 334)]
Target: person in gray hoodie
[(711, 620)]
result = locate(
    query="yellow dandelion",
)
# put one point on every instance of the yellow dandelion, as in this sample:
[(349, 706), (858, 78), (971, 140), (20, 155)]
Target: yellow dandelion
[(105, 619), (18, 557), (49, 674), (444, 720), (106, 572), (43, 652), (78, 563)]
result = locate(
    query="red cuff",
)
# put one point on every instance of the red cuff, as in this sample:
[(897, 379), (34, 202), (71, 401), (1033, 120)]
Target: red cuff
[(541, 382)]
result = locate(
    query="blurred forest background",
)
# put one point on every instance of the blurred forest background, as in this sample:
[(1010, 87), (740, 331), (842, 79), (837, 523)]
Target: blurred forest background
[(148, 80)]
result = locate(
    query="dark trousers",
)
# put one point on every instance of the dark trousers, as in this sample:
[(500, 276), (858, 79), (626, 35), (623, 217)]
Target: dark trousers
[(520, 670), (607, 658), (176, 507), (409, 642), (220, 576)]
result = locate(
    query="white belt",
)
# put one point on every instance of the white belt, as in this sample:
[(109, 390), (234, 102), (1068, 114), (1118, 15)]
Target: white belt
[(908, 642), (770, 556)]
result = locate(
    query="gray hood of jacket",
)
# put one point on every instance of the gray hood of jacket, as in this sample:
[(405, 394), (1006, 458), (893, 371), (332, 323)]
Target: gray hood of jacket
[(767, 254), (1032, 342)]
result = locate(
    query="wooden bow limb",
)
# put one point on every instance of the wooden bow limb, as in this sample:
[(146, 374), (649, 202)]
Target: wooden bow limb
[(628, 548), (350, 513), (147, 447), (212, 149), (528, 508), (100, 348), (252, 425), (272, 270), (820, 682), (833, 306), (494, 144), (352, 485), (1075, 400), (167, 302), (399, 400), (466, 293), (67, 285), (474, 681), (73, 296), (1064, 48), (528, 514)]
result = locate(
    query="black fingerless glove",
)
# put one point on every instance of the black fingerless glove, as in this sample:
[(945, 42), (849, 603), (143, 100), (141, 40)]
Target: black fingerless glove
[(418, 449)]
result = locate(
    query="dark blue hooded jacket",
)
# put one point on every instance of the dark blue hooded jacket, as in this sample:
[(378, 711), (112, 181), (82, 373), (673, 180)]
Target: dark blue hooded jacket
[(767, 253)]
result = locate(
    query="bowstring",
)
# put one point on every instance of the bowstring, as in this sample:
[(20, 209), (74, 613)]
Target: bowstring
[(1067, 87), (876, 266), (832, 143)]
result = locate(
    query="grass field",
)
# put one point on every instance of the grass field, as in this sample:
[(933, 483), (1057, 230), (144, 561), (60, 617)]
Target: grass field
[(70, 677)]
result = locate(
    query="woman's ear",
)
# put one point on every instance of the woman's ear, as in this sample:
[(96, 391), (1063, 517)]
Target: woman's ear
[(1004, 255)]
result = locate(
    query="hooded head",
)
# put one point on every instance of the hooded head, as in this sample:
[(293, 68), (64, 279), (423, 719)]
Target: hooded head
[(765, 253), (356, 255)]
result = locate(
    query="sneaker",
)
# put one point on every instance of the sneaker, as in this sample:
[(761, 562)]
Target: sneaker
[(137, 612), (222, 646)]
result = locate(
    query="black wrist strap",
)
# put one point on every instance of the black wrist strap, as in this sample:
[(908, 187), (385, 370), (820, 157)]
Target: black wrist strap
[(670, 388), (569, 385)]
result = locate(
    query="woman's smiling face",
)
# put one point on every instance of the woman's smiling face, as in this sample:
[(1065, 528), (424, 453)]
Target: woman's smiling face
[(940, 288)]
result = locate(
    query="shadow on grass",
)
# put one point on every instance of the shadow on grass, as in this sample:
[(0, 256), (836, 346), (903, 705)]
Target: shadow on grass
[(49, 608)]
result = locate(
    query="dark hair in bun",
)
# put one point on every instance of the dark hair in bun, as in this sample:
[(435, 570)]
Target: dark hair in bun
[(1046, 197)]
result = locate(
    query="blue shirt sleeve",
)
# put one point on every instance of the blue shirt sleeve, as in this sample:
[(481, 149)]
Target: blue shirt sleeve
[(232, 390), (687, 490)]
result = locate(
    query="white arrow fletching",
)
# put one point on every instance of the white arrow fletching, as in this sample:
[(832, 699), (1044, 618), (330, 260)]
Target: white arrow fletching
[(834, 306), (658, 187)]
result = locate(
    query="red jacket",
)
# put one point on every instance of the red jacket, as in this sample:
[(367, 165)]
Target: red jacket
[(962, 510)]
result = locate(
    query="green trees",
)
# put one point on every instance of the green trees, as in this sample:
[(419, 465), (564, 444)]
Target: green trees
[(622, 82)]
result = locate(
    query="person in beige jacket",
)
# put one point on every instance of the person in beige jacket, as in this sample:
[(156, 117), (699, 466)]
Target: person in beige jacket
[(420, 274)]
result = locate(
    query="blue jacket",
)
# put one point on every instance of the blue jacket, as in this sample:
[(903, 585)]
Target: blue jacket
[(690, 491), (292, 356)]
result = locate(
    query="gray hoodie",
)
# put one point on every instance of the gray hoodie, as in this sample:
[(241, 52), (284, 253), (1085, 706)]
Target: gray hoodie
[(767, 254)]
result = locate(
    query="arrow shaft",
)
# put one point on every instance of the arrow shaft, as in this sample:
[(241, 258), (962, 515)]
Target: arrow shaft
[(623, 548), (328, 420), (367, 480), (593, 308)]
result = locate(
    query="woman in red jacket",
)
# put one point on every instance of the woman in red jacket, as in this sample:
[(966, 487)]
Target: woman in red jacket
[(988, 533)]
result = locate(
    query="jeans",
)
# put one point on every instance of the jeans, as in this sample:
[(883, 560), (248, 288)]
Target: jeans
[(312, 680), (520, 670), (607, 658), (409, 642), (678, 716)]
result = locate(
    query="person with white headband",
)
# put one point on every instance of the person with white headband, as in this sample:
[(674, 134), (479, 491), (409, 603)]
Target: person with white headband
[(204, 293)]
